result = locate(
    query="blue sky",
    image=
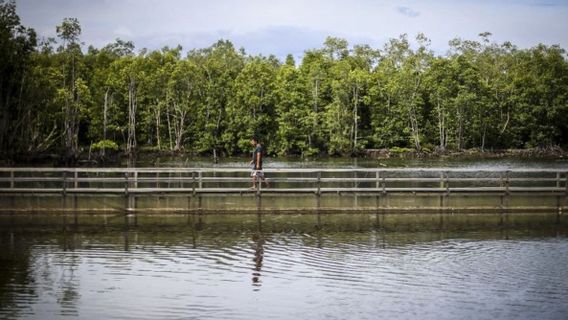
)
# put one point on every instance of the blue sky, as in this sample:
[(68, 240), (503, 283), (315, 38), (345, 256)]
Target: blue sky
[(282, 27)]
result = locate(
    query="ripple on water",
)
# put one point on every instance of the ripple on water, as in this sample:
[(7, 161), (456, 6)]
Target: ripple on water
[(291, 275)]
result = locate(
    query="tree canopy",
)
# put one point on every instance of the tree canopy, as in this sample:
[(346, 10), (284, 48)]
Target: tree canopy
[(338, 99)]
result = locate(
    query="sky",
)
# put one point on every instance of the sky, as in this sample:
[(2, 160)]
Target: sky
[(293, 26)]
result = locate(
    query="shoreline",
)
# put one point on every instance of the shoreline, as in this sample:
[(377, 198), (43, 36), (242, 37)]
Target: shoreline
[(534, 153), (113, 158)]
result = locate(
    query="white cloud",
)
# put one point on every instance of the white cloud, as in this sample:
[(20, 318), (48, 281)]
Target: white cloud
[(408, 12), (279, 27), (123, 31)]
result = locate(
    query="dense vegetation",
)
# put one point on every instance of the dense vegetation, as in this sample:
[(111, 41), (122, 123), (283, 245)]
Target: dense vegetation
[(338, 100)]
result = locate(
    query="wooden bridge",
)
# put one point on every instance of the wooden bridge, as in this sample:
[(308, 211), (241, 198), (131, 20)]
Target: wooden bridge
[(206, 190)]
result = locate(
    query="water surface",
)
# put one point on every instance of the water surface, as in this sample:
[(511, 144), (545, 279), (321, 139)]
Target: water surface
[(284, 267)]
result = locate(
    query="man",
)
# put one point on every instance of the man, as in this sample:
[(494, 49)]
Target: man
[(256, 163)]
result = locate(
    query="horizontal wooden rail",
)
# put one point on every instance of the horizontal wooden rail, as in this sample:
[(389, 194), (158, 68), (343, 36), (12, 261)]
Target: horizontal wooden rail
[(276, 179), (283, 180), (134, 188), (551, 190), (277, 170)]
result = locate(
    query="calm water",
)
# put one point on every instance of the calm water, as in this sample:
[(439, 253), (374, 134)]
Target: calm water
[(284, 267), (344, 162)]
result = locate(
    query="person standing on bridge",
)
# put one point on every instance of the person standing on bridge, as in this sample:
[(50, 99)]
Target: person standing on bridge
[(256, 163)]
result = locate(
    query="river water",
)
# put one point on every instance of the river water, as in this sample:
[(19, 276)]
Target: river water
[(340, 266), (502, 163)]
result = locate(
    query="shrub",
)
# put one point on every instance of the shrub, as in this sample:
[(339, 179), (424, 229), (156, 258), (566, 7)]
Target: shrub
[(104, 144)]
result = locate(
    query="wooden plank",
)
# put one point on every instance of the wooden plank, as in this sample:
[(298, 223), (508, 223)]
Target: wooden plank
[(126, 190), (273, 170), (293, 210), (281, 179), (440, 175)]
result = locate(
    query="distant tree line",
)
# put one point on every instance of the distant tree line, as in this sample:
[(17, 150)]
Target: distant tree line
[(338, 100)]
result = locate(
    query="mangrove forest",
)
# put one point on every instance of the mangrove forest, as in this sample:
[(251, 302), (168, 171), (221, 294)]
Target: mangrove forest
[(64, 97)]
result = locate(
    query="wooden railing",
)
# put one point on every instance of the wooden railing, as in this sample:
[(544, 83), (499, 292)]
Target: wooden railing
[(320, 180), (134, 184)]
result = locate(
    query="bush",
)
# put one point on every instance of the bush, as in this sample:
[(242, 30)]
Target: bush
[(399, 150), (104, 144)]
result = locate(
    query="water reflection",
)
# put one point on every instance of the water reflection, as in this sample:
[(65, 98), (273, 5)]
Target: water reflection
[(258, 247), (284, 266)]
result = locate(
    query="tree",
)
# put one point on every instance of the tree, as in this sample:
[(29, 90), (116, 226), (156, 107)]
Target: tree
[(337, 100), (294, 116), (68, 95), (219, 65), (402, 86), (251, 110), (17, 45), (185, 95), (103, 114), (314, 74)]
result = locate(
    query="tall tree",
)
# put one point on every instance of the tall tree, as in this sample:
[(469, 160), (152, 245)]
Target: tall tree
[(71, 98), (17, 44), (251, 111)]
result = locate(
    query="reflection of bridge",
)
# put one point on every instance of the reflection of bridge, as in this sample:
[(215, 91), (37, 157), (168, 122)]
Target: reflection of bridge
[(291, 190)]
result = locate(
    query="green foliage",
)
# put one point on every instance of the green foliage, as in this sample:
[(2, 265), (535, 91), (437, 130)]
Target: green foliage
[(400, 150), (104, 144), (251, 111), (338, 99)]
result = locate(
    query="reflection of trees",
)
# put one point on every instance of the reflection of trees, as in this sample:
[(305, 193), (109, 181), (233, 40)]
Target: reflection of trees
[(68, 296), (15, 269)]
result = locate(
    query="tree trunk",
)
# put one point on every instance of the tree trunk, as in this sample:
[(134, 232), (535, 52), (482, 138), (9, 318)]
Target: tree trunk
[(131, 143), (460, 128), (158, 120), (355, 116), (169, 130), (483, 137), (105, 108), (179, 124), (413, 118), (441, 126)]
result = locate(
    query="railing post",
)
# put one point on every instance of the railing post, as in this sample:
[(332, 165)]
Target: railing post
[(64, 191), (318, 192), (557, 179), (129, 200), (75, 186), (566, 183), (200, 179), (566, 189), (355, 183), (506, 189), (64, 182), (442, 188), (384, 192), (318, 183), (378, 177), (193, 182), (447, 183), (125, 183), (507, 182), (12, 179)]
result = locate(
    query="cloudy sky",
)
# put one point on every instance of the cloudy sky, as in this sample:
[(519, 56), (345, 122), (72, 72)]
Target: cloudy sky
[(292, 26)]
